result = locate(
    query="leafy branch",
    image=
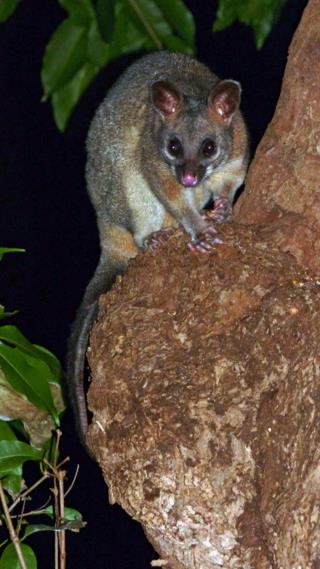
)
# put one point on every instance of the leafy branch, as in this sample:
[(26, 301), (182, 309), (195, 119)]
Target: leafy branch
[(17, 553), (13, 535), (96, 32), (7, 7), (260, 15), (30, 406)]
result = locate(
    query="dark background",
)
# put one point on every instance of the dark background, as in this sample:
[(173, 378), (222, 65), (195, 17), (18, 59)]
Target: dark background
[(44, 208)]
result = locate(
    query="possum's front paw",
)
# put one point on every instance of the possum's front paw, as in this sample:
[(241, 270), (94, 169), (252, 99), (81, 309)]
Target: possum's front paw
[(222, 210), (157, 239), (205, 241)]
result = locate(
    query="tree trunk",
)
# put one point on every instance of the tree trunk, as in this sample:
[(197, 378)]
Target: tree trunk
[(205, 368), (283, 183)]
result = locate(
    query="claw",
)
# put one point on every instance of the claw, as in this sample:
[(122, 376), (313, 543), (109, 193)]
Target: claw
[(157, 239), (204, 243), (222, 210)]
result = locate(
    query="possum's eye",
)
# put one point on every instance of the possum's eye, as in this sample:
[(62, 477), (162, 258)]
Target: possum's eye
[(174, 147), (208, 148)]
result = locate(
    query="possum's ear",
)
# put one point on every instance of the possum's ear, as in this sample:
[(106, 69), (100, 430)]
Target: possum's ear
[(165, 98), (224, 100)]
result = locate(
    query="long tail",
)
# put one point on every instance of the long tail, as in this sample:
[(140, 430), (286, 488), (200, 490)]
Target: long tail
[(78, 341), (76, 362)]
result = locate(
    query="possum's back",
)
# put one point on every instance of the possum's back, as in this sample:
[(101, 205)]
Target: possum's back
[(131, 91)]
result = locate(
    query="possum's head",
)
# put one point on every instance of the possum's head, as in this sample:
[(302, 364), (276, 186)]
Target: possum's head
[(194, 137)]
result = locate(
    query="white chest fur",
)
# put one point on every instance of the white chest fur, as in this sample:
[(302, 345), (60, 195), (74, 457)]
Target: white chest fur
[(147, 212)]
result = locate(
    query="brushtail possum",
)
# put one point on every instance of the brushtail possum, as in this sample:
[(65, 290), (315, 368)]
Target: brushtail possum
[(167, 139)]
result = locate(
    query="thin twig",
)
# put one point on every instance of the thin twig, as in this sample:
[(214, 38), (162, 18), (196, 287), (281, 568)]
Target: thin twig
[(67, 459), (56, 501), (72, 483), (20, 518), (56, 551), (13, 536), (62, 534), (38, 512), (55, 468), (28, 491)]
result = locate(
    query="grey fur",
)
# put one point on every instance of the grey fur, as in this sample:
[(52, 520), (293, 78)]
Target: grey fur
[(128, 169)]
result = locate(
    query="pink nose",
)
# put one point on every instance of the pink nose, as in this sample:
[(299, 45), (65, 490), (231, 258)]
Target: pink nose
[(189, 180)]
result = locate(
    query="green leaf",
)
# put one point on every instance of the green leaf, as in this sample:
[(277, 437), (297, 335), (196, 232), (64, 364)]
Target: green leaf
[(13, 483), (226, 15), (148, 18), (14, 454), (261, 15), (51, 360), (51, 450), (7, 7), (72, 525), (29, 376), (5, 250), (64, 100), (35, 528), (105, 13), (82, 14), (72, 520), (97, 32), (72, 59), (6, 433), (98, 52), (126, 37), (81, 11), (64, 56), (13, 336), (9, 559), (157, 21), (17, 426), (70, 514), (180, 19)]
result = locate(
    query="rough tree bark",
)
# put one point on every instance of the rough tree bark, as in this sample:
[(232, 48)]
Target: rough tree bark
[(206, 376), (283, 184)]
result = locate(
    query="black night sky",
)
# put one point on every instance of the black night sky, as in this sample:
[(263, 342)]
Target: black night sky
[(44, 208)]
